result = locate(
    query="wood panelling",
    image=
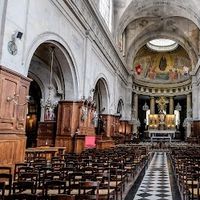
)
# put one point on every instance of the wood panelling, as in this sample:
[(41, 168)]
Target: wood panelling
[(46, 133), (105, 144), (73, 117), (13, 106), (13, 111), (125, 127), (65, 141), (79, 144), (68, 117), (195, 132), (108, 124)]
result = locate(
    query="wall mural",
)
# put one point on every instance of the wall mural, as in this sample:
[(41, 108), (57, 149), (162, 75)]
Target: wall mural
[(162, 66)]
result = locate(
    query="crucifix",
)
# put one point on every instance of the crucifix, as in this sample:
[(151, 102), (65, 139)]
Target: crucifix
[(162, 104)]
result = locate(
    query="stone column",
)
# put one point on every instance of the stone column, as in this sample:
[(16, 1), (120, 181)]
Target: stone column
[(135, 113), (195, 101), (189, 115), (152, 105), (135, 106), (171, 106)]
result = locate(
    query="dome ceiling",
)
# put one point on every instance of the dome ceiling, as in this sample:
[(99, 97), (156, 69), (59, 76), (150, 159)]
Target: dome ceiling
[(162, 67), (139, 22), (162, 45)]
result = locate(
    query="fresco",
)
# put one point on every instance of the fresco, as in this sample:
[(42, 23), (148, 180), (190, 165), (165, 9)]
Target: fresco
[(162, 66)]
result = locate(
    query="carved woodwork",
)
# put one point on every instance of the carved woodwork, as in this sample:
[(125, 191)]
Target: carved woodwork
[(68, 117), (46, 133), (109, 124), (79, 144), (13, 91), (195, 128), (125, 128), (65, 141), (104, 144), (73, 117)]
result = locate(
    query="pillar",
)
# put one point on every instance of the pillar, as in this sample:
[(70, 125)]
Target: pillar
[(171, 106), (189, 115), (135, 113), (152, 105)]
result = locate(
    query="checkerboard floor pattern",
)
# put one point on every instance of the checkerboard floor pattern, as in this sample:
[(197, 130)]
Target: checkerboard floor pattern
[(155, 184)]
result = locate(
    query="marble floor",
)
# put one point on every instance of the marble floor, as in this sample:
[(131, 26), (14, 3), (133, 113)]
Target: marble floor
[(155, 184)]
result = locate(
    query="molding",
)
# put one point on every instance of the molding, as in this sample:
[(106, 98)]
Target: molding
[(90, 18), (3, 68)]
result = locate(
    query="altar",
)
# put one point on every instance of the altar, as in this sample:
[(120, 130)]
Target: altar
[(161, 135), (162, 127)]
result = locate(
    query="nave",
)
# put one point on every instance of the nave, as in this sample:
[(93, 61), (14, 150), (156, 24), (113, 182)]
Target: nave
[(156, 184), (126, 172)]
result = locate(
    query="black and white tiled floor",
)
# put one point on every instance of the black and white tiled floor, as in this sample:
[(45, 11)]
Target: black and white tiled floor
[(155, 184)]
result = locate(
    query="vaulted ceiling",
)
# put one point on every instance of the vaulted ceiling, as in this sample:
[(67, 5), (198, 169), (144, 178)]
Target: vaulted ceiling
[(138, 21)]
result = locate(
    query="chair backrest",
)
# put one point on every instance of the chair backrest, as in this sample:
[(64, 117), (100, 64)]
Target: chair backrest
[(21, 186), (7, 179), (19, 196), (2, 190), (58, 186), (16, 170)]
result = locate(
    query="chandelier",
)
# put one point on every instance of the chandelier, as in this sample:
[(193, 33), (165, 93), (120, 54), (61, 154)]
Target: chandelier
[(49, 105)]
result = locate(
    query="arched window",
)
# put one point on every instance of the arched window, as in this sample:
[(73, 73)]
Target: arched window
[(105, 8)]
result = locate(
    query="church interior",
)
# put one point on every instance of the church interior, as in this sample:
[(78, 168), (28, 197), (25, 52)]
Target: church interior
[(99, 99)]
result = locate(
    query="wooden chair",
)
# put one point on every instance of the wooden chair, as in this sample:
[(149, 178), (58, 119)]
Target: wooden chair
[(54, 187), (88, 190), (2, 190), (16, 169), (20, 196), (7, 179)]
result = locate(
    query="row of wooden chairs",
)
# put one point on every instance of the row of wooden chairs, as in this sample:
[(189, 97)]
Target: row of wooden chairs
[(186, 165), (93, 174)]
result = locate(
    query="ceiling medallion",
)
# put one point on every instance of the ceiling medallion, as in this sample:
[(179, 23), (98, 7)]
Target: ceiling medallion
[(162, 45)]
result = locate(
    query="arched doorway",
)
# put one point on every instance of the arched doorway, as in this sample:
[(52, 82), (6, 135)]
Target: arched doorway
[(100, 98), (52, 71), (33, 116)]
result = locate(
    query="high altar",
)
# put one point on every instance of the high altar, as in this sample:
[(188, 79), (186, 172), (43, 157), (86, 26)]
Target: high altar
[(161, 126), (162, 121)]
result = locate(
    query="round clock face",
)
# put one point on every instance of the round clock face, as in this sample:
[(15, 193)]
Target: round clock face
[(12, 48)]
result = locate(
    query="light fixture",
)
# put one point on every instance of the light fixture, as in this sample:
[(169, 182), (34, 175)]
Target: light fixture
[(49, 105), (145, 107)]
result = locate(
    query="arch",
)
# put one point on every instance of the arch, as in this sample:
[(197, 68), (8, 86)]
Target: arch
[(58, 41), (143, 38), (101, 95), (38, 81), (120, 107), (137, 10)]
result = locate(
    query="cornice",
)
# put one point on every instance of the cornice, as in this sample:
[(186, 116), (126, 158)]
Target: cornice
[(182, 88), (90, 18)]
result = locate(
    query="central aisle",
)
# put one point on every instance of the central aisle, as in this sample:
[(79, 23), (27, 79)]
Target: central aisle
[(156, 184)]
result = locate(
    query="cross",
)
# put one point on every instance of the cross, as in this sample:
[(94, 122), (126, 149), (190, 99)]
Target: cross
[(162, 101)]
